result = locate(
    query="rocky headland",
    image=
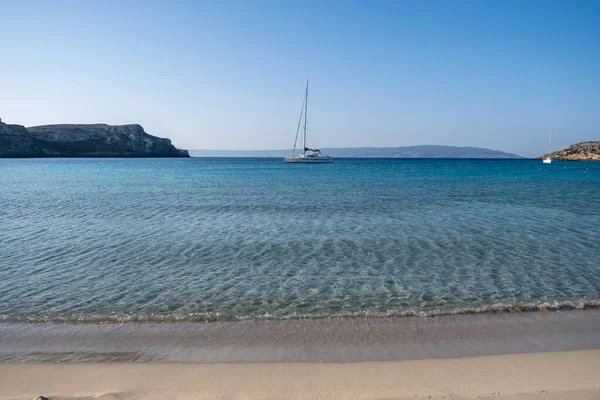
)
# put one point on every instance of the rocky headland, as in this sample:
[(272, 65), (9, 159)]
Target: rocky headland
[(584, 151), (97, 140)]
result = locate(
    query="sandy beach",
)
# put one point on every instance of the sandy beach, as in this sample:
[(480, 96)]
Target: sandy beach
[(553, 375), (512, 356)]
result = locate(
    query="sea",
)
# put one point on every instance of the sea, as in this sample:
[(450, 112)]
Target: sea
[(229, 239)]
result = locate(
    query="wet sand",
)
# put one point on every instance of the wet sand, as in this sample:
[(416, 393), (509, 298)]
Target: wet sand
[(545, 376), (536, 355), (304, 340)]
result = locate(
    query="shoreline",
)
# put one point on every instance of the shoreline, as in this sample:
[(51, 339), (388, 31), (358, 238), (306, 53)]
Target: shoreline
[(512, 356), (301, 340), (545, 376), (566, 305)]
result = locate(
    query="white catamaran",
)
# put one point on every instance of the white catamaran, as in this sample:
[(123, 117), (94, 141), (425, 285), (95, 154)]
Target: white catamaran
[(547, 159), (309, 155)]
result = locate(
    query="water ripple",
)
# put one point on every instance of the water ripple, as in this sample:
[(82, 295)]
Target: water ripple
[(224, 239)]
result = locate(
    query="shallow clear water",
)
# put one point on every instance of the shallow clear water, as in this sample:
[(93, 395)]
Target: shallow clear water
[(194, 238)]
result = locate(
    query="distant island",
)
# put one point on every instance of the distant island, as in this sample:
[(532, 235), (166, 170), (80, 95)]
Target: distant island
[(429, 151), (584, 151), (96, 140)]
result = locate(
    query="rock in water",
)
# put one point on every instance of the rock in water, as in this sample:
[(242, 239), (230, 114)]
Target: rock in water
[(584, 151), (98, 140)]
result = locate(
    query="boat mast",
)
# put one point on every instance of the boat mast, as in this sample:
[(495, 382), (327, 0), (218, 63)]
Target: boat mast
[(305, 111), (550, 141)]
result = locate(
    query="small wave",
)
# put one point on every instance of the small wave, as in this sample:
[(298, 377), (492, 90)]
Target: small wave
[(216, 317)]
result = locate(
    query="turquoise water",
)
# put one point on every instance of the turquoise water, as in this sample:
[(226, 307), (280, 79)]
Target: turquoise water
[(195, 239)]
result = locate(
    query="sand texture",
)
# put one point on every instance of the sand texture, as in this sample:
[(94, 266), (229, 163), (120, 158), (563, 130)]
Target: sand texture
[(548, 376)]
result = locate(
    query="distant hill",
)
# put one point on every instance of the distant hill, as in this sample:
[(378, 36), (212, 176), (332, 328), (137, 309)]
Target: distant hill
[(429, 151), (584, 151)]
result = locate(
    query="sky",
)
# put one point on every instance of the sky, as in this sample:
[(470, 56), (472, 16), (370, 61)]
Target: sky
[(231, 74)]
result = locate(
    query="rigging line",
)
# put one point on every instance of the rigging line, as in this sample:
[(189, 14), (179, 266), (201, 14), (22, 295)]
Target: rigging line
[(305, 113), (298, 128)]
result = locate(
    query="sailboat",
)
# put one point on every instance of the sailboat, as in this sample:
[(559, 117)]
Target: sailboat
[(308, 155), (547, 159)]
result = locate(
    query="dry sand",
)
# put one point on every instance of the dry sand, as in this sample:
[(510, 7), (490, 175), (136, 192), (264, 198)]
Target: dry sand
[(546, 376)]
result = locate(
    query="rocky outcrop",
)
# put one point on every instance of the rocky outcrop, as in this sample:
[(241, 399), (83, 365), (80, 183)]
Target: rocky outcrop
[(584, 151), (15, 141), (98, 140)]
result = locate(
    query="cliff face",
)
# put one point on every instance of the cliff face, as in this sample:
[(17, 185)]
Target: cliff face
[(584, 151), (15, 141), (98, 140)]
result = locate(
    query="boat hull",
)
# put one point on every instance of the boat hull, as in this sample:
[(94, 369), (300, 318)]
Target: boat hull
[(547, 161), (300, 160)]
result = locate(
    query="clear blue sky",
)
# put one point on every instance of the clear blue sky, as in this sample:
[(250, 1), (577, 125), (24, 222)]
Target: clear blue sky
[(231, 74)]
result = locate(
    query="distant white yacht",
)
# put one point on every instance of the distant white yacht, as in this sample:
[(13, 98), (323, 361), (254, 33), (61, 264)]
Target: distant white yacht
[(547, 159), (308, 155)]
